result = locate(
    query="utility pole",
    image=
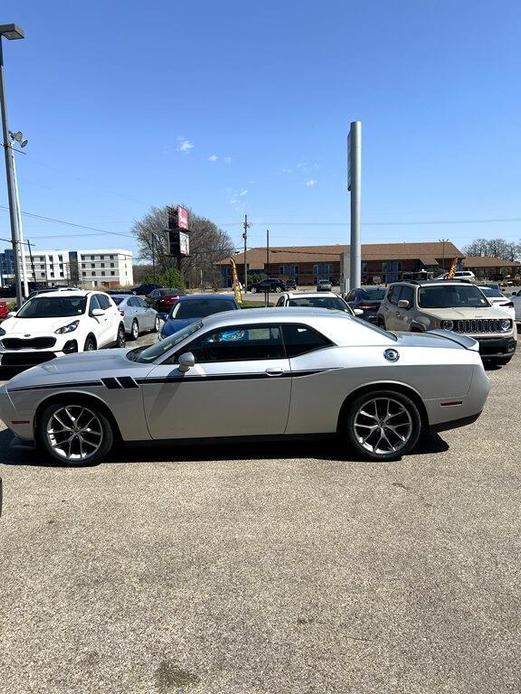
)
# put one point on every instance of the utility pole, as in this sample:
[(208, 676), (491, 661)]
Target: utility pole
[(21, 244), (245, 237), (10, 31), (354, 176), (443, 242), (267, 297), (32, 259)]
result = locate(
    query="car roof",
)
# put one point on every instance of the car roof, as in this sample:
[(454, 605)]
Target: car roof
[(430, 283), (307, 295), (75, 292), (211, 297)]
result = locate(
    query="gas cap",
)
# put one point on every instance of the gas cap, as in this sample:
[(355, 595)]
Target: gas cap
[(391, 354)]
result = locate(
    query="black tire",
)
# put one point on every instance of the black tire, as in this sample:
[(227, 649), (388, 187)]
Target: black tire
[(94, 445), (90, 344), (121, 339), (134, 330), (406, 423), (157, 325)]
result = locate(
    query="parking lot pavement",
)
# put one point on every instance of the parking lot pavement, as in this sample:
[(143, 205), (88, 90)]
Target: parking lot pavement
[(277, 568)]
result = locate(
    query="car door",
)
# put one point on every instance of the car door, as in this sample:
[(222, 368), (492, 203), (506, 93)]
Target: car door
[(389, 307), (107, 322), (142, 313), (240, 386), (404, 314)]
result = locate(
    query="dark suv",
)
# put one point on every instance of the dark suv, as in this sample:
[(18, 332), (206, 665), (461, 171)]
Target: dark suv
[(271, 284)]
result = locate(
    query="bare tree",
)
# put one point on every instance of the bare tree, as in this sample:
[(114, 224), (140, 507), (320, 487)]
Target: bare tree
[(208, 244), (497, 248)]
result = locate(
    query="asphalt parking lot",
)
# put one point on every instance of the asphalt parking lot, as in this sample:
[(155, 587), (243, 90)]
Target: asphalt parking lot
[(275, 568)]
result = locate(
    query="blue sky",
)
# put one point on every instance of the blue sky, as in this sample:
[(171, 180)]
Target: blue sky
[(234, 107)]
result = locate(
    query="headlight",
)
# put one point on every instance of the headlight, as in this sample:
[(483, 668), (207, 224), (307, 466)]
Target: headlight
[(68, 328), (447, 324), (504, 326)]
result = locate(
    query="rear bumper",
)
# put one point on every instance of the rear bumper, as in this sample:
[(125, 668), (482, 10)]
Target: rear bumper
[(455, 423)]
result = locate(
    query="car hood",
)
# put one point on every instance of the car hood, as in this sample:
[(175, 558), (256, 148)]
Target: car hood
[(35, 326), (173, 325), (81, 367), (463, 313)]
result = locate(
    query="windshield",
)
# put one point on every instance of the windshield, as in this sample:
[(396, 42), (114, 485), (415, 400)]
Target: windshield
[(159, 348), (451, 296), (372, 294), (201, 308), (53, 307), (492, 291), (331, 302)]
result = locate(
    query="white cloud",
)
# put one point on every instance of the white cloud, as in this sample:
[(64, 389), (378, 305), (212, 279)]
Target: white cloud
[(243, 192), (310, 183), (184, 145), (213, 157), (227, 160)]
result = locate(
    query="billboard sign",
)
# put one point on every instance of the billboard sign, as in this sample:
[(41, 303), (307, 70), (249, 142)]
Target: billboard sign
[(182, 217), (184, 243)]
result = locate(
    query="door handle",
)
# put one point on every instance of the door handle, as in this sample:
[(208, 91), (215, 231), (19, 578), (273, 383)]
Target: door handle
[(274, 372), (398, 314)]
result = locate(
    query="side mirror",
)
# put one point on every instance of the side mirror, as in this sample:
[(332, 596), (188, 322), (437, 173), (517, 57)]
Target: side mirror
[(11, 314), (186, 361), (97, 312), (404, 303), (358, 312)]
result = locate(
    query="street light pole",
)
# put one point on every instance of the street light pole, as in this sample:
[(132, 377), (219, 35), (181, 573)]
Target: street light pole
[(10, 31), (21, 248), (354, 185)]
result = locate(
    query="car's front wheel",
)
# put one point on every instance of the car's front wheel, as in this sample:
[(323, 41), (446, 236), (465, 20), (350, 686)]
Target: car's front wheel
[(75, 433), (90, 344), (382, 425), (157, 324)]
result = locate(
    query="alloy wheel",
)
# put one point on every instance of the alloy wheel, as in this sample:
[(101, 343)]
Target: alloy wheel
[(383, 426), (75, 433), (135, 330)]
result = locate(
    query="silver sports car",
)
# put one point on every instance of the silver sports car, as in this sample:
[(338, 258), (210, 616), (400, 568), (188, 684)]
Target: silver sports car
[(255, 373)]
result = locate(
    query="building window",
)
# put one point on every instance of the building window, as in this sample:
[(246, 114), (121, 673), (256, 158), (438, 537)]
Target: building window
[(112, 257), (61, 274), (102, 264), (289, 270), (60, 258), (112, 265), (103, 273), (84, 274), (112, 272), (322, 271), (92, 257), (92, 265), (94, 274)]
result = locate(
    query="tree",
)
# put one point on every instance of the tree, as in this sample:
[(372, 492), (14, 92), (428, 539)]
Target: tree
[(208, 244), (496, 248)]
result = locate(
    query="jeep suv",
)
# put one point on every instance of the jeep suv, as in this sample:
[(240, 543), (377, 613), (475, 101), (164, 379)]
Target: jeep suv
[(419, 306)]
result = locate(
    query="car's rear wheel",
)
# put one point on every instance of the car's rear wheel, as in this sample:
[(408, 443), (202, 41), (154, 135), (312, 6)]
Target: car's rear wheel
[(75, 433), (382, 425), (253, 290), (157, 324), (134, 330), (90, 344), (121, 340)]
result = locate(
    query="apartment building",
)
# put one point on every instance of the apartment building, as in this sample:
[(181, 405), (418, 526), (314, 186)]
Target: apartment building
[(99, 267)]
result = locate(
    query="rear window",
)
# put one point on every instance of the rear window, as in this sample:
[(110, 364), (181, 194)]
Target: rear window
[(301, 339)]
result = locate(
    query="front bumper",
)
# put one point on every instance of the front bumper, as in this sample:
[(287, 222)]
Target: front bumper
[(497, 347), (25, 358)]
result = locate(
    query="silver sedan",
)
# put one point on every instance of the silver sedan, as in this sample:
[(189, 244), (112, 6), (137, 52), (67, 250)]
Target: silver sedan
[(138, 316), (256, 373)]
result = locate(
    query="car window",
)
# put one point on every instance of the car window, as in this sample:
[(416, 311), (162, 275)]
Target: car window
[(300, 339), (376, 294), (393, 293), (94, 303), (53, 307), (407, 293), (135, 302), (237, 343), (450, 296), (140, 302), (200, 308), (331, 302), (492, 291), (104, 301)]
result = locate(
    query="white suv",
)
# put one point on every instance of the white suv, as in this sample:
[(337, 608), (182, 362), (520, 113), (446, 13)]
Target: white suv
[(56, 323)]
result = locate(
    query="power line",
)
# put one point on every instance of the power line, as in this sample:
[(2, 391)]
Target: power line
[(503, 220)]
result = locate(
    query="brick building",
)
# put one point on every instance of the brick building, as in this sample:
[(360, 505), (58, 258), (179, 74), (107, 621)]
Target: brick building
[(487, 268), (381, 262)]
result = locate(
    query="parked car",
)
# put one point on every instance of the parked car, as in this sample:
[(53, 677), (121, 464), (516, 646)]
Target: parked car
[(145, 289), (271, 284), (498, 299), (213, 378), (314, 300), (46, 290), (516, 300), (451, 305), (324, 286), (291, 284), (57, 323), (459, 275), (4, 310), (163, 299), (138, 317), (192, 307), (366, 299)]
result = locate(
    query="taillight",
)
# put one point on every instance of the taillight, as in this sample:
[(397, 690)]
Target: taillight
[(366, 307)]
